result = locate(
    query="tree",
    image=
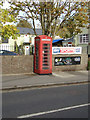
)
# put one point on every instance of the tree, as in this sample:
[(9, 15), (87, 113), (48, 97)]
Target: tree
[(24, 23), (73, 26), (53, 16), (7, 31)]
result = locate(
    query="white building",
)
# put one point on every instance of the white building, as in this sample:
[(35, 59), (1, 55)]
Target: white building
[(26, 37)]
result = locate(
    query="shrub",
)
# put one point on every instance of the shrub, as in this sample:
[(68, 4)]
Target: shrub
[(88, 67)]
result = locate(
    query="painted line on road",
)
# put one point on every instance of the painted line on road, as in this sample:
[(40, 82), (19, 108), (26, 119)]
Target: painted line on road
[(52, 111)]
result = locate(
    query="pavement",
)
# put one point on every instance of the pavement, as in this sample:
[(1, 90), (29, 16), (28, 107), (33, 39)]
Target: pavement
[(32, 80)]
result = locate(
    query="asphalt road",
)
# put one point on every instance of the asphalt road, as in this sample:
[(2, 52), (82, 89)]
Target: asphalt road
[(54, 102)]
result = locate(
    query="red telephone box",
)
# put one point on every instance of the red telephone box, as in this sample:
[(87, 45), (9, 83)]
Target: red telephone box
[(43, 55)]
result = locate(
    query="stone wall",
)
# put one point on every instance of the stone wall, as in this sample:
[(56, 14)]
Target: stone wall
[(17, 64), (24, 64)]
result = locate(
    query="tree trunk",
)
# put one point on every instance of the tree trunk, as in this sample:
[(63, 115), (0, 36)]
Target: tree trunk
[(42, 18), (49, 23), (34, 27)]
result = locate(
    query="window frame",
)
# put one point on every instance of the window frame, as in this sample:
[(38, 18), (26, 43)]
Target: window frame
[(84, 39)]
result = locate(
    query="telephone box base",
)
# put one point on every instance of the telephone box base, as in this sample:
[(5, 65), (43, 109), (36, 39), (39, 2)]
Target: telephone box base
[(44, 74)]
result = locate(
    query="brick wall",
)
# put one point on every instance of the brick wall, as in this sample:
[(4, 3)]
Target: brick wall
[(24, 64)]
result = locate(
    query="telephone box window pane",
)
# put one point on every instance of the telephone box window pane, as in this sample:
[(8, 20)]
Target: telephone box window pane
[(45, 68), (45, 47), (45, 44), (45, 64), (46, 51), (45, 54), (45, 60)]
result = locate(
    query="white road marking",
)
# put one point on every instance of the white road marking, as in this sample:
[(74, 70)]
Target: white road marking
[(52, 111)]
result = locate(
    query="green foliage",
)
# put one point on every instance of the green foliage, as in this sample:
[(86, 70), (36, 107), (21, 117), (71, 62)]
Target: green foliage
[(75, 22), (88, 67), (63, 32), (24, 23), (7, 31)]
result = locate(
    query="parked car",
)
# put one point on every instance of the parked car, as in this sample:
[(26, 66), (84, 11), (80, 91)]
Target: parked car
[(6, 52)]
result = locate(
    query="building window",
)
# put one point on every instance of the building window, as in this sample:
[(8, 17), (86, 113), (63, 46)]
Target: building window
[(84, 38)]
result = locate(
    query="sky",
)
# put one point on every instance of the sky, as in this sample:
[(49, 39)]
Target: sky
[(6, 5)]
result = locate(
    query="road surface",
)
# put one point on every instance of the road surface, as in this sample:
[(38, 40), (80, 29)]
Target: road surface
[(54, 102)]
